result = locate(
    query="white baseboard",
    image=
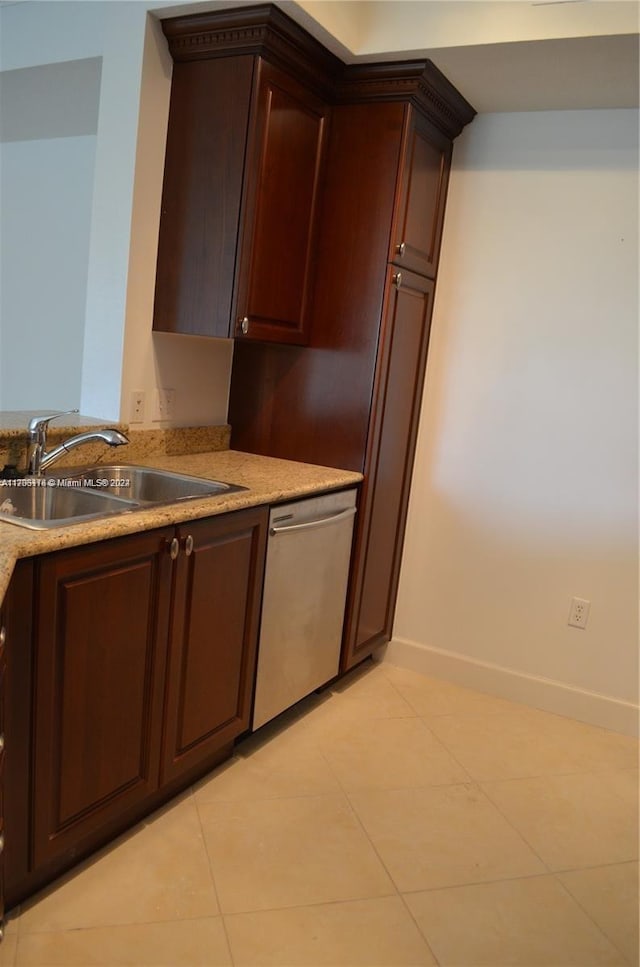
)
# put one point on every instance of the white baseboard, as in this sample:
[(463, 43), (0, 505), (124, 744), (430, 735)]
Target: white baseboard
[(543, 693)]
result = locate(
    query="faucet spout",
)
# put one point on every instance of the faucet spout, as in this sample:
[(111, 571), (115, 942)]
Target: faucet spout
[(38, 458), (114, 438)]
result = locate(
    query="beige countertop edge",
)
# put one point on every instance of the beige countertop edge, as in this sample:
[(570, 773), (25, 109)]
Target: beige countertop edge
[(269, 481)]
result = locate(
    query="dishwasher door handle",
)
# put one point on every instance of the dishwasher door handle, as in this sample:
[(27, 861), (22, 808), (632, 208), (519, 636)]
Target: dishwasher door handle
[(320, 522)]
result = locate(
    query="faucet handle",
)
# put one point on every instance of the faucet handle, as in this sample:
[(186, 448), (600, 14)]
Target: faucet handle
[(39, 423)]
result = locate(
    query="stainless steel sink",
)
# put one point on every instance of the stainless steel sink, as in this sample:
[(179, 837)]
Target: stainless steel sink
[(148, 486), (81, 495), (40, 503)]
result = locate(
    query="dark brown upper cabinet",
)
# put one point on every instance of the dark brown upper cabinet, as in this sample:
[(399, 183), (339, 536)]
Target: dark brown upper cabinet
[(417, 228), (284, 164), (246, 165), (204, 163), (243, 172)]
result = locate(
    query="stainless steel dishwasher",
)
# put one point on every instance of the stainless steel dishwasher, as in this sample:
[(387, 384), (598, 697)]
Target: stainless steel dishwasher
[(305, 589)]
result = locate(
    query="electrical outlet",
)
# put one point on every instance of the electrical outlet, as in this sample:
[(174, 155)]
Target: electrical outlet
[(579, 612), (164, 405), (169, 403), (136, 408)]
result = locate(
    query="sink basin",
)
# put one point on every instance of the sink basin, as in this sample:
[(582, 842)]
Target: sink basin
[(44, 504), (148, 486), (96, 492)]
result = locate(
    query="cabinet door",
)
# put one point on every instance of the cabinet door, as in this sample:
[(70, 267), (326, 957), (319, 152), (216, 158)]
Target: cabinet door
[(389, 462), (101, 646), (282, 184), (206, 143), (2, 744), (214, 633), (417, 227), (16, 658)]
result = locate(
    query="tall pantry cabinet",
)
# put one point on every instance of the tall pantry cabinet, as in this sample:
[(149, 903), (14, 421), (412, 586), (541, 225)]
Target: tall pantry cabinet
[(341, 387)]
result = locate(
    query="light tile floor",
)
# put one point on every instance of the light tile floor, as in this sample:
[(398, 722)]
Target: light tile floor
[(395, 820)]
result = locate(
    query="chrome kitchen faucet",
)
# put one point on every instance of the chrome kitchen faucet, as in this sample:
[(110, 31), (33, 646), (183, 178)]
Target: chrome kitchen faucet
[(37, 457)]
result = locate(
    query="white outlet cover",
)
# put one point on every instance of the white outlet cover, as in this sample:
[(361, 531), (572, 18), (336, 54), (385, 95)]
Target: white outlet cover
[(579, 612)]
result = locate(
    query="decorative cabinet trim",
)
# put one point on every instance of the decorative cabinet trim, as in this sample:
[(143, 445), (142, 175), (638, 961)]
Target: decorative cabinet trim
[(419, 82), (265, 31)]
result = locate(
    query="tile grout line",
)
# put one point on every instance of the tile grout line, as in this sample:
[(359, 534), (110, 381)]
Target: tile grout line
[(420, 930), (213, 880), (553, 874), (447, 750), (513, 826), (588, 915), (370, 841), (480, 782), (388, 872)]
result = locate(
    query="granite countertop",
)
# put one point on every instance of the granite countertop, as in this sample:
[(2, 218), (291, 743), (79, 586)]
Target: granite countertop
[(269, 481)]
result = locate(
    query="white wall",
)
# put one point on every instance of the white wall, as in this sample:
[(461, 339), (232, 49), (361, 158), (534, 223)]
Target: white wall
[(50, 57), (406, 25), (525, 485), (50, 32), (80, 225), (122, 50), (46, 189), (197, 369)]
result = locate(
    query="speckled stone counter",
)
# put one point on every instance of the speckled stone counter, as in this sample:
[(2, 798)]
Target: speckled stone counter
[(268, 480), (142, 443)]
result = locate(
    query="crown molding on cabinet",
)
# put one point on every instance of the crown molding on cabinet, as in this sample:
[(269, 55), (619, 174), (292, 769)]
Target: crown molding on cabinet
[(266, 31)]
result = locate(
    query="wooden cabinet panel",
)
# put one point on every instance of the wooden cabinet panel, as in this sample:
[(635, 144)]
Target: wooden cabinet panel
[(213, 637), (206, 141), (383, 505), (102, 624), (279, 213), (18, 652), (133, 677), (313, 403), (3, 633), (417, 230), (350, 399), (242, 176)]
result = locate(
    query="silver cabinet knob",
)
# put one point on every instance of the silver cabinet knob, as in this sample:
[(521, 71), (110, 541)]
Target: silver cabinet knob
[(3, 636), (174, 548), (397, 279), (1, 742), (1, 842), (400, 248), (188, 545), (244, 325)]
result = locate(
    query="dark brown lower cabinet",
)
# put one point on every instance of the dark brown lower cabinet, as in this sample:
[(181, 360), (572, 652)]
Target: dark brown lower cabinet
[(143, 654), (214, 634), (17, 661), (381, 520), (3, 635), (103, 616)]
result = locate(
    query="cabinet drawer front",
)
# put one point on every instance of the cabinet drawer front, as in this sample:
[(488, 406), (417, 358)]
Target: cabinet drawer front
[(100, 663)]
